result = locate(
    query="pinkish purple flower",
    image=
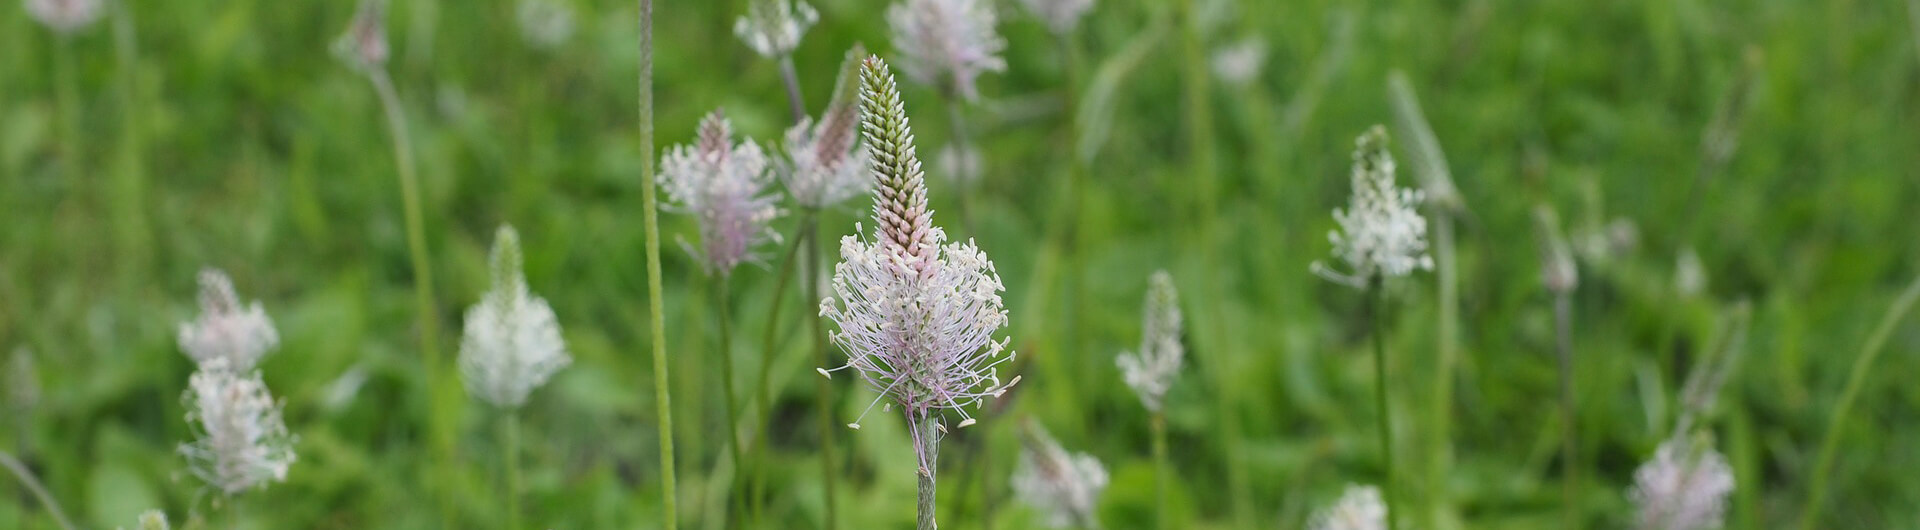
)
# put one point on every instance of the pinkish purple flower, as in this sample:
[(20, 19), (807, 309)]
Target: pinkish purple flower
[(720, 183), (947, 43)]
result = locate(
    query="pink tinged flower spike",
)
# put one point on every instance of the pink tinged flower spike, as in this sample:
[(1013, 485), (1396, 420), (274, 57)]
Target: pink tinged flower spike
[(824, 166), (65, 16), (1684, 487), (364, 46), (512, 342), (1381, 233), (1061, 16), (1065, 486), (241, 442), (773, 27), (1359, 508), (721, 184), (915, 315), (225, 329), (947, 44), (1151, 371)]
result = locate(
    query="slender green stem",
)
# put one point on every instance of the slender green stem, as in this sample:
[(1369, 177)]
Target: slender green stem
[(1162, 473), (25, 475), (233, 512), (928, 432), (810, 284), (1441, 447), (724, 313), (791, 79), (440, 431), (656, 306), (1378, 295), (67, 100), (956, 119), (1862, 365), (1570, 476), (510, 457), (1199, 119), (762, 387), (129, 186)]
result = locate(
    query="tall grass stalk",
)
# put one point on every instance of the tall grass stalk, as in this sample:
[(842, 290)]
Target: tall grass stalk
[(439, 428), (791, 78), (510, 457), (1563, 348), (1377, 295), (129, 186), (1839, 420), (723, 312), (1162, 472), (656, 307), (25, 475), (1429, 163)]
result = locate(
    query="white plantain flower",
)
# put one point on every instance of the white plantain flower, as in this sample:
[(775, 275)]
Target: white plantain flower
[(65, 16), (364, 46), (946, 44), (241, 441), (916, 315), (227, 330), (512, 343), (720, 183), (153, 520), (824, 166), (1064, 486), (1151, 371), (546, 24), (1238, 64), (1061, 16), (1689, 274), (773, 27), (1380, 234), (1557, 269), (1359, 508), (1684, 487)]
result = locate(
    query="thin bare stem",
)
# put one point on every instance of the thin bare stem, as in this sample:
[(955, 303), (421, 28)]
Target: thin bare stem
[(26, 478), (1162, 473), (1449, 354), (724, 313), (1862, 365), (510, 457), (792, 80), (1563, 346), (1378, 296), (656, 306), (961, 162)]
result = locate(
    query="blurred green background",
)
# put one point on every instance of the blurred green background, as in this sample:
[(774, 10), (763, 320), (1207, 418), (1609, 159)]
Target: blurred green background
[(178, 135)]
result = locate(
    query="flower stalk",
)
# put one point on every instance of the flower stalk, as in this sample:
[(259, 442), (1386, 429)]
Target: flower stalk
[(656, 307), (1862, 366)]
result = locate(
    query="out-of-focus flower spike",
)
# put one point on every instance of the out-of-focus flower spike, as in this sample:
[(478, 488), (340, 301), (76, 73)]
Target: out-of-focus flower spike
[(773, 28), (1064, 486), (546, 24), (226, 329), (65, 16), (1150, 372), (823, 165), (1381, 234), (241, 441), (364, 46), (947, 44), (512, 341), (721, 184), (1359, 508), (1557, 269), (1061, 16), (1423, 147)]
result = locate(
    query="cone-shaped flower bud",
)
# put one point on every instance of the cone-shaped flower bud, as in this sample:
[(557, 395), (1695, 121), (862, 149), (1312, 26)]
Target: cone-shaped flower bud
[(1150, 372), (512, 343), (823, 165), (241, 334), (364, 46), (1380, 233)]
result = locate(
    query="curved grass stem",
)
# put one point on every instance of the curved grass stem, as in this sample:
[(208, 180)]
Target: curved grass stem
[(1377, 294), (656, 305), (1862, 365), (25, 475)]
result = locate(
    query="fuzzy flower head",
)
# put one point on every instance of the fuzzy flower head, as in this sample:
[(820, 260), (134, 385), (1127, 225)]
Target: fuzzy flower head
[(241, 441), (916, 315), (773, 27), (512, 343), (1150, 372), (1238, 64), (1065, 486), (546, 24), (364, 46), (720, 183), (1380, 234), (240, 334), (1061, 16), (1557, 270), (65, 16), (947, 43), (1684, 487), (1359, 508), (824, 166)]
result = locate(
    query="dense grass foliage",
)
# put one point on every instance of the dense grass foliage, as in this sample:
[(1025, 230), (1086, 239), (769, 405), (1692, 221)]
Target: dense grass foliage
[(179, 135)]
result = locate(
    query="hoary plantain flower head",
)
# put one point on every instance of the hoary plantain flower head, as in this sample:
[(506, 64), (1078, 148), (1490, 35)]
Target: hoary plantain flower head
[(364, 46), (1684, 486), (946, 44), (241, 442), (823, 165), (512, 343), (1381, 234), (1061, 16), (545, 24), (1065, 486), (773, 27), (226, 329), (65, 16), (916, 315), (720, 184), (1150, 372), (1359, 508)]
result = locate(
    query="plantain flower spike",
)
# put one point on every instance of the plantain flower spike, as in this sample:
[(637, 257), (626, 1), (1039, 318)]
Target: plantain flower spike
[(773, 28), (1061, 16), (916, 315), (1684, 486), (947, 44), (1065, 486), (1150, 372), (720, 184), (65, 16), (1359, 508), (824, 165), (241, 442), (364, 46), (545, 24), (512, 342), (226, 329), (1381, 234)]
